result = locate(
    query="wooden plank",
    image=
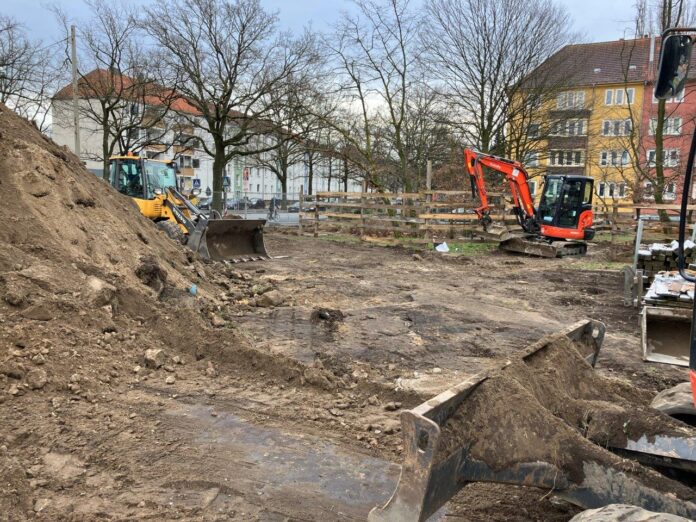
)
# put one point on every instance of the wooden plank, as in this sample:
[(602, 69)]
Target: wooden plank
[(373, 195), (458, 217)]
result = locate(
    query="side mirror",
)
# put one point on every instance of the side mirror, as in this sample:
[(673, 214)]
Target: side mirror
[(675, 58)]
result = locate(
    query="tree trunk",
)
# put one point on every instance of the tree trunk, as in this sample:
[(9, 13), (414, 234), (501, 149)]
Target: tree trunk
[(284, 188), (659, 185), (345, 174), (218, 176), (105, 149), (310, 176), (328, 181)]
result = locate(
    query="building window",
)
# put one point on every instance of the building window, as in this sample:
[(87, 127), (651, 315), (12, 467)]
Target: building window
[(671, 126), (619, 96), (533, 130), (670, 191), (617, 127), (671, 158), (570, 100), (567, 158), (601, 186), (531, 159), (614, 158), (532, 187), (185, 162), (573, 127), (133, 134), (674, 99)]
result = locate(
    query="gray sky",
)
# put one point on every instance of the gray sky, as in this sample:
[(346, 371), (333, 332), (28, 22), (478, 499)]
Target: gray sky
[(596, 20)]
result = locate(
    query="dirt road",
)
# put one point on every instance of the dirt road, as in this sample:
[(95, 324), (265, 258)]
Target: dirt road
[(229, 440)]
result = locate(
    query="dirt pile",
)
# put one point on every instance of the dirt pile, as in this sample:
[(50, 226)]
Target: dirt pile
[(552, 407)]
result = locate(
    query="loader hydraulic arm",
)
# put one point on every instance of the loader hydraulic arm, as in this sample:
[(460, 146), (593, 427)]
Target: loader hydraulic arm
[(516, 176)]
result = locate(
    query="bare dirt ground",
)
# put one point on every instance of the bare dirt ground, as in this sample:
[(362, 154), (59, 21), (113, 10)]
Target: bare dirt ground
[(274, 393)]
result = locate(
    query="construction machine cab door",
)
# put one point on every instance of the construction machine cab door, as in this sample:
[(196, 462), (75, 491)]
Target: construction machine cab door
[(563, 201), (126, 176)]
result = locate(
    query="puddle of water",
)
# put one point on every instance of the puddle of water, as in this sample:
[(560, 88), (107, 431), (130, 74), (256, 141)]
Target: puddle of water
[(278, 465)]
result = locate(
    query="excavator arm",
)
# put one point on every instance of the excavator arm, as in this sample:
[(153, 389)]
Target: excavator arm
[(516, 176)]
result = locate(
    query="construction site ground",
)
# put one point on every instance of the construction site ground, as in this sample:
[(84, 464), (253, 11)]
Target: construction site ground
[(272, 394)]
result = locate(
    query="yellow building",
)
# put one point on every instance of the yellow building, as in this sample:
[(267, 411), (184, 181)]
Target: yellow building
[(590, 117)]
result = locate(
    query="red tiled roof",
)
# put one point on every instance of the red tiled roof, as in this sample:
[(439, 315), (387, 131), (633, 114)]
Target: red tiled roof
[(617, 61), (100, 82)]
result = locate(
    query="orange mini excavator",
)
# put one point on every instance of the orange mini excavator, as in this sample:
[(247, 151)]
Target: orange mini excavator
[(561, 224)]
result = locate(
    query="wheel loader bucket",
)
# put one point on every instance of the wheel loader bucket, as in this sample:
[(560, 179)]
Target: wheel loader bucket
[(233, 240), (541, 420), (665, 334)]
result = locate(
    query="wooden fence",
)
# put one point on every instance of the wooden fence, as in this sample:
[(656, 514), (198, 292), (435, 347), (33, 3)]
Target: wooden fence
[(447, 213)]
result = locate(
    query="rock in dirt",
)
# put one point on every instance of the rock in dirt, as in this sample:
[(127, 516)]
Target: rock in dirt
[(37, 378), (270, 299), (39, 312), (170, 379), (392, 406), (151, 274), (217, 321), (319, 377), (677, 400), (624, 513), (154, 358), (99, 292), (63, 466)]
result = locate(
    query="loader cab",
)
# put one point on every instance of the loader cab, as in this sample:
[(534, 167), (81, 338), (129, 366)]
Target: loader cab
[(141, 178), (563, 201)]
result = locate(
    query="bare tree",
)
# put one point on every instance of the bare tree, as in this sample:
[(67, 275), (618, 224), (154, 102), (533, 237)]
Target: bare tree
[(28, 73), (116, 88), (373, 55), (481, 51), (227, 58)]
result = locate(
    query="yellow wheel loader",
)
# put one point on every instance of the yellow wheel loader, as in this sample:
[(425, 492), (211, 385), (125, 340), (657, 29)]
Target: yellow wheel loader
[(152, 185)]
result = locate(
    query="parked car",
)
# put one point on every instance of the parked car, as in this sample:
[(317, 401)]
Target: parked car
[(257, 203), (204, 203), (295, 207)]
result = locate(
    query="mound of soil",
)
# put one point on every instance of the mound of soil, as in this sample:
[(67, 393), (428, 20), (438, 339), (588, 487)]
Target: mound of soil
[(552, 407)]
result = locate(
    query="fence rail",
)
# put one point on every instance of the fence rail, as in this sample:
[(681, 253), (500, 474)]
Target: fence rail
[(450, 213)]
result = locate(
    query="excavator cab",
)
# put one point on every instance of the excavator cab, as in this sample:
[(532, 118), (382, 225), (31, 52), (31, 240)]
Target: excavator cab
[(566, 203)]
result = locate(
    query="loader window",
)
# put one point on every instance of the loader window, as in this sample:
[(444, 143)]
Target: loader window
[(159, 176), (126, 177)]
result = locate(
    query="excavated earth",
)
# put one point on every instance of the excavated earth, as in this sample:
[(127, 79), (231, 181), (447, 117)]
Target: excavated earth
[(274, 392)]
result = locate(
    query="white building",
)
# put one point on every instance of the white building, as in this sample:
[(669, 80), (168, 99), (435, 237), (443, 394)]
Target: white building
[(245, 176)]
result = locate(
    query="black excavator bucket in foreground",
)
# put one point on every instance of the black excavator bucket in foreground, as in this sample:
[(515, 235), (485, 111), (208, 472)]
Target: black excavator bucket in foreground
[(229, 239), (547, 420)]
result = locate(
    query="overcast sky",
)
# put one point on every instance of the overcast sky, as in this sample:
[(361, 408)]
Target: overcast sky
[(595, 20)]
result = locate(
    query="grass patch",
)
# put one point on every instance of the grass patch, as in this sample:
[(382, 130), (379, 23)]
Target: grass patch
[(597, 265)]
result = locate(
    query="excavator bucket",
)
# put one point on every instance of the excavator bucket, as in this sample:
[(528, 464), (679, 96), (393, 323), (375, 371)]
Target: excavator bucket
[(544, 419), (665, 334), (233, 240)]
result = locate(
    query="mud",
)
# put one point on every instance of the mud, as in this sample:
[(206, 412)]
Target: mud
[(90, 431)]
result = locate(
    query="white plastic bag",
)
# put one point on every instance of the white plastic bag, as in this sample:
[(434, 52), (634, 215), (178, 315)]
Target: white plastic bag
[(442, 247)]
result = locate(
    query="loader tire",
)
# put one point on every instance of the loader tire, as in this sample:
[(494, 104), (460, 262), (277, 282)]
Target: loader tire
[(172, 230)]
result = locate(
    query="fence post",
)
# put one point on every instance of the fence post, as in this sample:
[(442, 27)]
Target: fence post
[(363, 202), (428, 196), (316, 215), (299, 215)]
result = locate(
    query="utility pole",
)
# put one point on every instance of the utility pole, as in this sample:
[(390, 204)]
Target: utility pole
[(76, 106)]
